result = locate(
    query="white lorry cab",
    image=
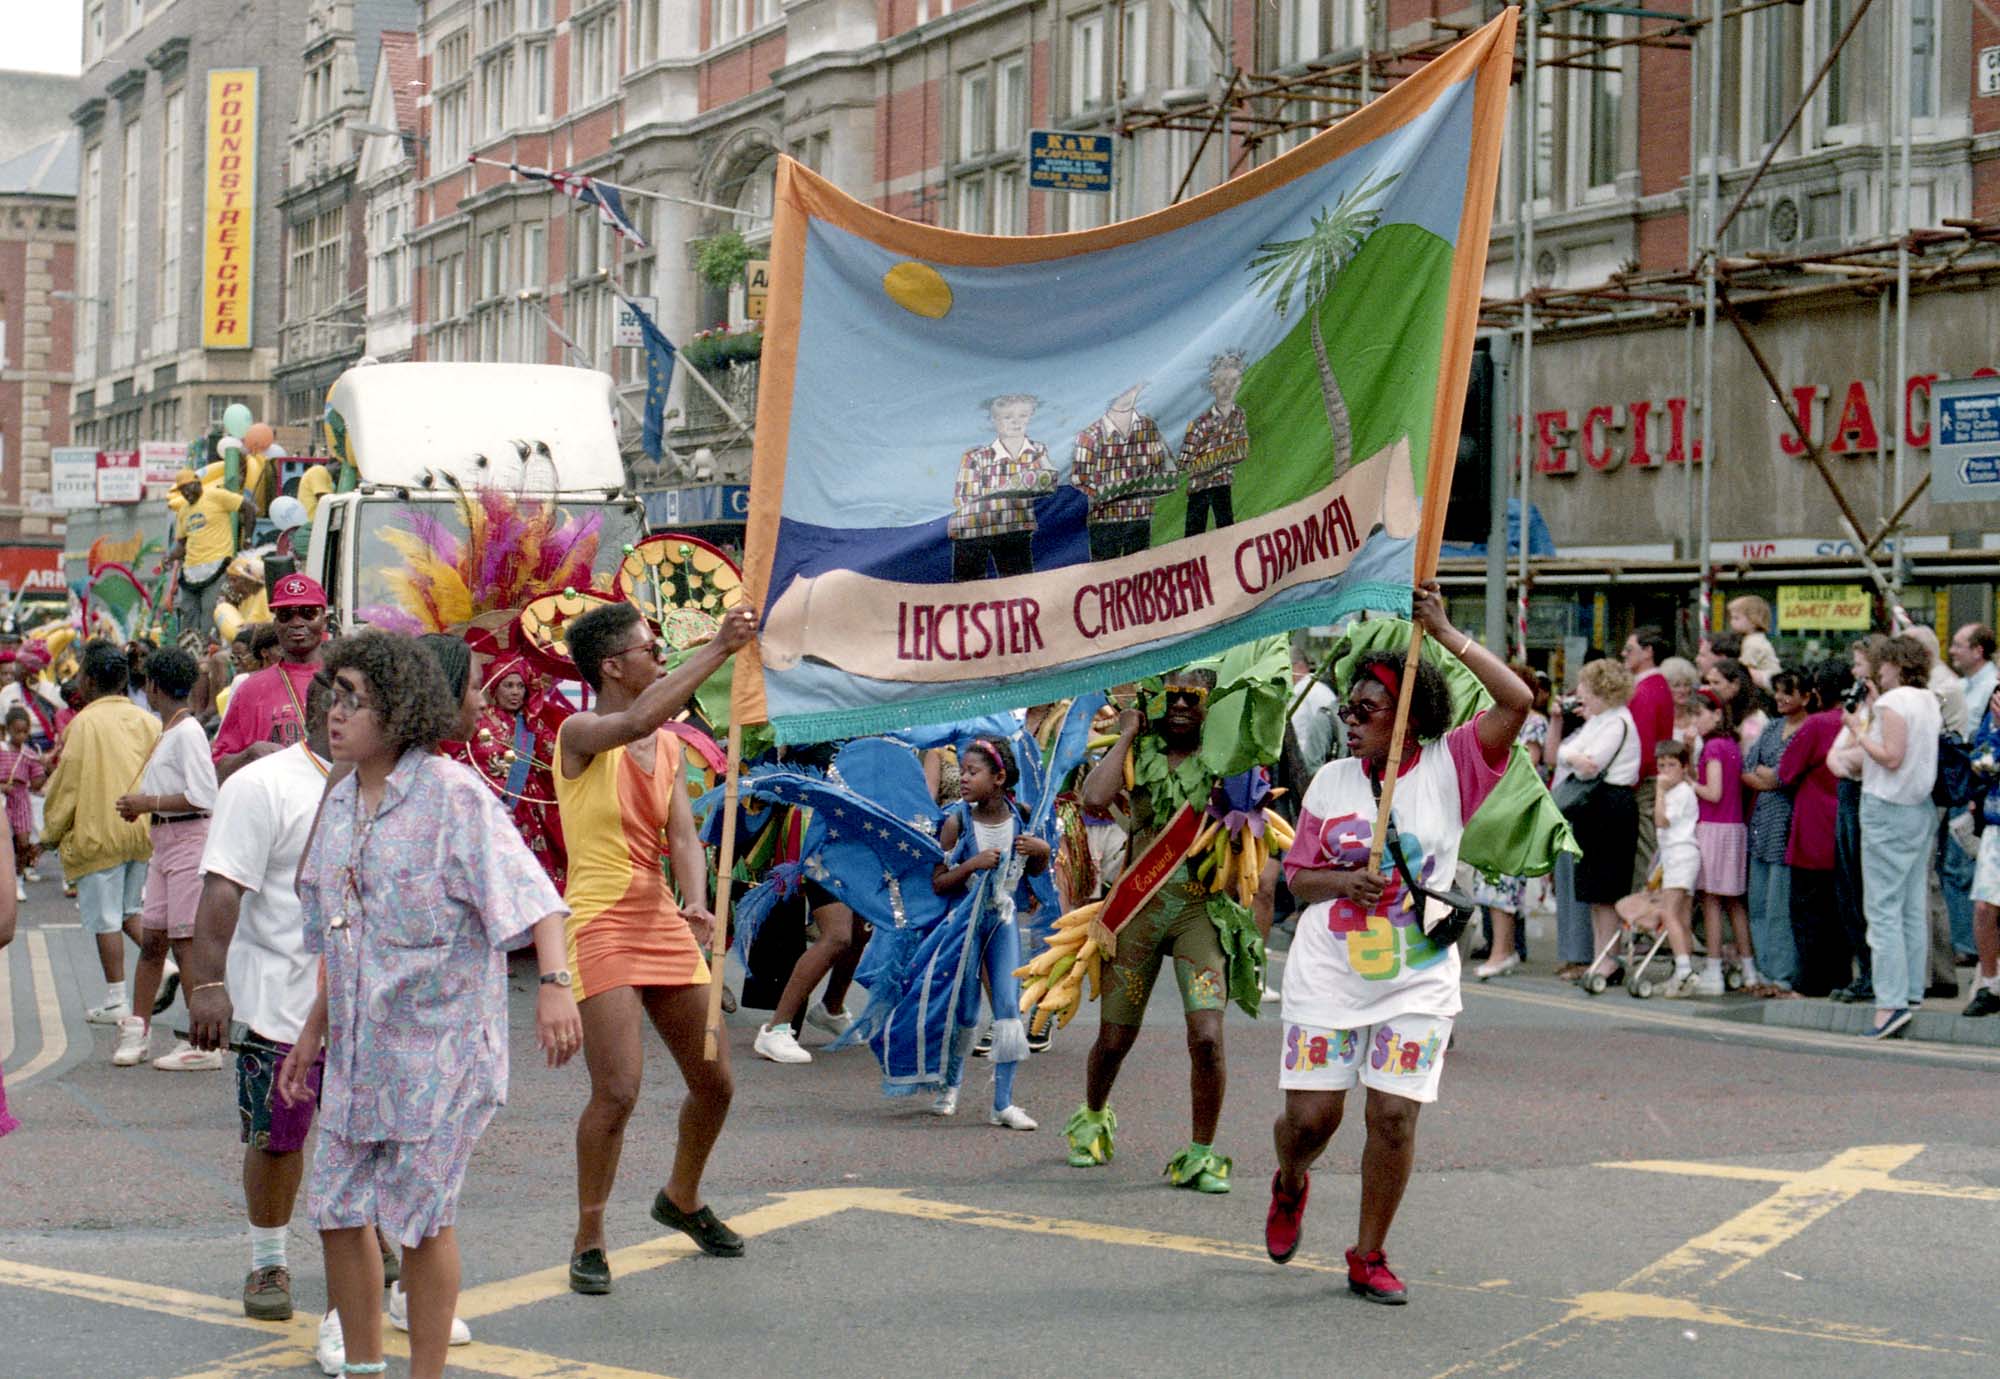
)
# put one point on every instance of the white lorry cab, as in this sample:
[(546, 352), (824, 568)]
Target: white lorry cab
[(403, 432)]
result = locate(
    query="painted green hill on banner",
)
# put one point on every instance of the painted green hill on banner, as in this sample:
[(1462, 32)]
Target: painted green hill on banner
[(1384, 327)]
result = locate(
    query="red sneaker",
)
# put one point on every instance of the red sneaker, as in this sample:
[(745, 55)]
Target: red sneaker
[(1369, 1275), (1285, 1223)]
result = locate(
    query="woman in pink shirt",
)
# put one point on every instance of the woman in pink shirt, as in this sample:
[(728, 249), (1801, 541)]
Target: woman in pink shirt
[(1723, 839)]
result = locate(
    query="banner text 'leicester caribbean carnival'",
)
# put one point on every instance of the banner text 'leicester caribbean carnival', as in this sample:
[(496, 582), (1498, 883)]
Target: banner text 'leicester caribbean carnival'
[(998, 470)]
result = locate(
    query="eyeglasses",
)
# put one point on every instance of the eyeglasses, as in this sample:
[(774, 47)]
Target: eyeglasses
[(1193, 696), (652, 649), (295, 613), (348, 701), (1358, 711)]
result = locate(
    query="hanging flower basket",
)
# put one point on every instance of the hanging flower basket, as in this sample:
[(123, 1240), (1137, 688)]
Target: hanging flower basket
[(720, 347)]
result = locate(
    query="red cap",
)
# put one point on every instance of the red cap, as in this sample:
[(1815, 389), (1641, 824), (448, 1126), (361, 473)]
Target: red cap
[(298, 591)]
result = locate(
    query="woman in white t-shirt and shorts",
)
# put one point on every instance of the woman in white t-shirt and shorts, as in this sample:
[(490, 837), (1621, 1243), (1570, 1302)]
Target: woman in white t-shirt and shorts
[(1369, 999)]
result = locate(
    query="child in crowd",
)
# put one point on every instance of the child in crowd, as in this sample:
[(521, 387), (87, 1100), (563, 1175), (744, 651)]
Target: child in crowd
[(1679, 863), (21, 770), (1750, 619), (1723, 839)]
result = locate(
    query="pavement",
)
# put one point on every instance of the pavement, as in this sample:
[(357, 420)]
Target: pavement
[(1607, 1187)]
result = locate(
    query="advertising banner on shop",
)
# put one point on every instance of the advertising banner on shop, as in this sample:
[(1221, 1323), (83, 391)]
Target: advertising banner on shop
[(1000, 470), (229, 212)]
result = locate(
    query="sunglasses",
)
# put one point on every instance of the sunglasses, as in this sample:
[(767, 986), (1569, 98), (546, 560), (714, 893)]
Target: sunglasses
[(652, 649), (348, 701), (1193, 696), (296, 613), (1355, 712)]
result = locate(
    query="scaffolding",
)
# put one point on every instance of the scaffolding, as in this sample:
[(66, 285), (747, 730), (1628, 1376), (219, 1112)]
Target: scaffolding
[(1712, 289)]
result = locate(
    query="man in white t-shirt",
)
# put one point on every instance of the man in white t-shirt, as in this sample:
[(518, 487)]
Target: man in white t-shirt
[(1312, 720), (249, 966)]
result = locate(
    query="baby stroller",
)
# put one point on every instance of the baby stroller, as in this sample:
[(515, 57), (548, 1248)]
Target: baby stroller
[(1641, 926)]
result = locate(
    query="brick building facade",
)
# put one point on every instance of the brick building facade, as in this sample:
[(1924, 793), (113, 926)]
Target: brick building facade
[(37, 261)]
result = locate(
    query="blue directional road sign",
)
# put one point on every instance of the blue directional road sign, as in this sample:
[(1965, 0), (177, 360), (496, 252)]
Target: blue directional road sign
[(1965, 440)]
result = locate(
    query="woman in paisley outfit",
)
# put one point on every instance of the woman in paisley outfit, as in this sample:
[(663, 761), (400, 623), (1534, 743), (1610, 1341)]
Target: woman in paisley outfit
[(411, 922)]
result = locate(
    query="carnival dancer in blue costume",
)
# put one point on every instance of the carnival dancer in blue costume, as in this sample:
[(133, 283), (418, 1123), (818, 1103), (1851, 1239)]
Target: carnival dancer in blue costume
[(991, 851)]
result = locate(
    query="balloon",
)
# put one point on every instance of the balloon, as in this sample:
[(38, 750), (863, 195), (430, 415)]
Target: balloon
[(236, 419), (276, 451), (229, 444), (258, 438)]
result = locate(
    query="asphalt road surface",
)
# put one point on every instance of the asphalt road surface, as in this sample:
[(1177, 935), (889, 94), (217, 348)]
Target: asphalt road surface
[(1606, 1187)]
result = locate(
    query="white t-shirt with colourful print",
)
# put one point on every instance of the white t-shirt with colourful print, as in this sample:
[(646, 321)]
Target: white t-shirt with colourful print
[(1346, 968)]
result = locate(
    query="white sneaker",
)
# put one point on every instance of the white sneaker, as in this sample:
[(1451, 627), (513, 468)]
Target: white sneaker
[(835, 1023), (32, 875), (779, 1044), (20, 889), (186, 1058), (110, 1013), (1012, 1118), (945, 1103), (1681, 984), (1496, 967), (399, 1316), (331, 1351), (134, 1035), (1709, 982)]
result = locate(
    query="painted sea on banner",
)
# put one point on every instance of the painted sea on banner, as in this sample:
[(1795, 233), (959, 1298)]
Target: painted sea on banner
[(995, 470)]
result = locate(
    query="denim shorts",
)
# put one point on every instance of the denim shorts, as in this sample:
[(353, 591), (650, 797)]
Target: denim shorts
[(105, 897)]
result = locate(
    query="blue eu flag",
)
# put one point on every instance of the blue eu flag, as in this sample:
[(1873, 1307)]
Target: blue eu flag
[(659, 373)]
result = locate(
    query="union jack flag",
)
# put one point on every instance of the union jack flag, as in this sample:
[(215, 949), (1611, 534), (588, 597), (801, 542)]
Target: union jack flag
[(588, 191)]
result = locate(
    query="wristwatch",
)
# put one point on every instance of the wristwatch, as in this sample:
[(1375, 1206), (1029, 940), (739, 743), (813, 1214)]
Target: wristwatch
[(556, 978)]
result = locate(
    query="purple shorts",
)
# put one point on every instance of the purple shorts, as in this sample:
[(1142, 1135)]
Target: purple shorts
[(269, 1123)]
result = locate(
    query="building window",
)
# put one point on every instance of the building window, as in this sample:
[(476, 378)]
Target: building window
[(173, 176), (93, 31), (453, 135), (1769, 74), (90, 233), (595, 42), (969, 206), (1010, 203), (754, 191), (1086, 61), (1599, 101), (496, 21), (1181, 146), (391, 256), (496, 81), (645, 33), (975, 113), (495, 271), (1192, 47), (539, 91), (534, 255), (1298, 31), (539, 14), (1132, 38), (1010, 104), (1923, 59), (129, 206)]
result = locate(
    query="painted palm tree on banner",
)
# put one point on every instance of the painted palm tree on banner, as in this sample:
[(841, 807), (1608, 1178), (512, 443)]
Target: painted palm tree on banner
[(1309, 265)]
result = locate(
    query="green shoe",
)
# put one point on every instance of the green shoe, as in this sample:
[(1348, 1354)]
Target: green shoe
[(1200, 1168), (1089, 1135)]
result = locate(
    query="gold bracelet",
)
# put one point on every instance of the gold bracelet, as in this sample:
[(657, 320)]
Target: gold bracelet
[(1463, 646), (197, 990)]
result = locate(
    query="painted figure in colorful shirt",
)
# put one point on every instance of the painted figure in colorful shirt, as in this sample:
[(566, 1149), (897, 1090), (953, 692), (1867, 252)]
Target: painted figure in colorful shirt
[(412, 922), (1369, 998), (1217, 441), (1121, 464), (992, 526)]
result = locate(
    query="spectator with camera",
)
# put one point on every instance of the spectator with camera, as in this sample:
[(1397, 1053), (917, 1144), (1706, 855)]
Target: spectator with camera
[(1897, 736)]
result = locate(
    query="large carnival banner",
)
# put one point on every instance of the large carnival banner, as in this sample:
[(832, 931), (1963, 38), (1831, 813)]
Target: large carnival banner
[(996, 470)]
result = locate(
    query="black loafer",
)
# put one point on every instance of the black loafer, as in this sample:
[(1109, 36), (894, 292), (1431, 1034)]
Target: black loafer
[(1984, 1002), (701, 1226), (589, 1272)]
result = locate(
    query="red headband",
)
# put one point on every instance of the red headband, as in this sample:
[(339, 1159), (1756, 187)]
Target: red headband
[(1386, 676), (992, 749)]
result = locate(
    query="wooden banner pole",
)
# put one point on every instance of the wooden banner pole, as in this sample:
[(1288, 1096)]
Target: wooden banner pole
[(1404, 695), (724, 874)]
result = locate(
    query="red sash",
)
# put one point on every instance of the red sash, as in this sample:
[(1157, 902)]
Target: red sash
[(1142, 880)]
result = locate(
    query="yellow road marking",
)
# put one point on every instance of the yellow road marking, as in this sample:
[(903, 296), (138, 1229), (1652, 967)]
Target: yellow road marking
[(1715, 1254), (1637, 1012), (118, 1292), (1864, 1180), (793, 1209), (48, 1010), (1618, 1305)]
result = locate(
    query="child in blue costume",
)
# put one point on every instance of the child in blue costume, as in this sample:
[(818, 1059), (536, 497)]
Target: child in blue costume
[(990, 848)]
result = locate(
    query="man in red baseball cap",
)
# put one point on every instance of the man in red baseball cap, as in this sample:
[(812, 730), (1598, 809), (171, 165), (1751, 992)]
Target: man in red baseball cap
[(267, 712)]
